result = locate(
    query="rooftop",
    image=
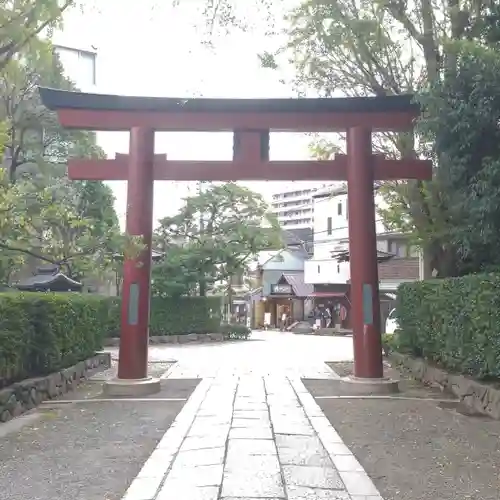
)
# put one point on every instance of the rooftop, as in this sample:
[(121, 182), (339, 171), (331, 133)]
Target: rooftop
[(59, 99)]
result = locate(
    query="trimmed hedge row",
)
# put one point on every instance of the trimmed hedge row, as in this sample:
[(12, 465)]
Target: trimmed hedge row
[(454, 322), (42, 333), (174, 316)]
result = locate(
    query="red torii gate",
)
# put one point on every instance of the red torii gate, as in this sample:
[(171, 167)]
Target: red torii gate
[(251, 121)]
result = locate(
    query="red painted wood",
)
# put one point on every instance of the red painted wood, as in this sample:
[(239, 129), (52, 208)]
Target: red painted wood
[(133, 359), (202, 121), (167, 170), (363, 254)]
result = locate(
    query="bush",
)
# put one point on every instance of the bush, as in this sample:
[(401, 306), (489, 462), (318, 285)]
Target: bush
[(43, 333), (235, 331), (454, 322), (173, 316)]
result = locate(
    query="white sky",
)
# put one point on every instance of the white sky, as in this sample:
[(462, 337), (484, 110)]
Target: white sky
[(158, 52)]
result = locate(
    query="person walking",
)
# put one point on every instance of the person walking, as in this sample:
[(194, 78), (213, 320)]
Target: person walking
[(284, 320)]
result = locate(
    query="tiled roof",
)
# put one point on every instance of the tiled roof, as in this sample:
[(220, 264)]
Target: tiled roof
[(296, 281), (399, 269)]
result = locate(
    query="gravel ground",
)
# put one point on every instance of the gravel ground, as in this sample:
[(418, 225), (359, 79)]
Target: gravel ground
[(89, 452), (417, 450)]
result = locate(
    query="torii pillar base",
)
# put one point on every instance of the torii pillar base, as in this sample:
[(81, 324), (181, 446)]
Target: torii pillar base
[(131, 388), (356, 386)]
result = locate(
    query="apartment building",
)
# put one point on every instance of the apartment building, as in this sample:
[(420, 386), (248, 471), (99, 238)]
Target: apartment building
[(294, 207)]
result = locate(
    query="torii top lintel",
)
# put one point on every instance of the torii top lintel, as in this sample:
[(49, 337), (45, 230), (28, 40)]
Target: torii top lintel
[(114, 112)]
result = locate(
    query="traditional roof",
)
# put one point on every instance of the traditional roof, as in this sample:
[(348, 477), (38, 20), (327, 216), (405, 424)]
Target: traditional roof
[(61, 99), (296, 281), (49, 278), (345, 256)]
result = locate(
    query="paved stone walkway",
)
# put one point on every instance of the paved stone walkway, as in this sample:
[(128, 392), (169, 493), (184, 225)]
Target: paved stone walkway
[(252, 437)]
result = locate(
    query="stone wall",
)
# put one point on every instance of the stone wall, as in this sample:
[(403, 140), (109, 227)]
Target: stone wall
[(176, 339), (479, 397), (23, 396)]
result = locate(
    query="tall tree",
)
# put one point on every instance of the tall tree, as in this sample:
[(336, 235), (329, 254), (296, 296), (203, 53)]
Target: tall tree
[(72, 224), (381, 47), (461, 120), (237, 225)]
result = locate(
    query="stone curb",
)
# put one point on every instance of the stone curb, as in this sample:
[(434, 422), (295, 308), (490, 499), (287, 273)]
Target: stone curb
[(190, 338), (155, 469), (27, 394), (480, 398), (358, 484)]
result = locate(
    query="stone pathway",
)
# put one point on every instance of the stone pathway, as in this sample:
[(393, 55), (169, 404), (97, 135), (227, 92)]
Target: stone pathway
[(251, 437)]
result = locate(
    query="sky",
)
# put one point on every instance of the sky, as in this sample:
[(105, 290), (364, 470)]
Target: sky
[(153, 49)]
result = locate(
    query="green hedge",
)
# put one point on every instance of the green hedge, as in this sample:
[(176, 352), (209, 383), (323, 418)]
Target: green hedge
[(174, 316), (454, 322), (43, 333)]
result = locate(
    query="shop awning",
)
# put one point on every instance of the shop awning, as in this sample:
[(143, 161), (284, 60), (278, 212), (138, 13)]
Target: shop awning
[(326, 294)]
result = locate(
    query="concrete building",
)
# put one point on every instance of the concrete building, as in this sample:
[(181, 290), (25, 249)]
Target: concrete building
[(80, 65), (294, 207)]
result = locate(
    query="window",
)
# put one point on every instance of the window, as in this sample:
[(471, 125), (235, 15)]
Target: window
[(398, 248), (329, 226), (338, 268), (339, 209), (319, 269)]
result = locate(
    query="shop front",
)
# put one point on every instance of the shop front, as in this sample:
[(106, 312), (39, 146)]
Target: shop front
[(287, 296)]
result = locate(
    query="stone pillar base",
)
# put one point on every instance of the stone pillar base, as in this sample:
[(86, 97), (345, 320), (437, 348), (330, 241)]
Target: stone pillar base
[(369, 386), (132, 388)]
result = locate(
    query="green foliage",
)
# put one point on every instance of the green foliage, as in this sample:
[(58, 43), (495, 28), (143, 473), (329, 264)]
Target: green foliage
[(47, 216), (21, 21), (454, 322), (390, 342), (43, 333), (173, 315), (461, 119), (214, 236), (234, 331), (381, 47)]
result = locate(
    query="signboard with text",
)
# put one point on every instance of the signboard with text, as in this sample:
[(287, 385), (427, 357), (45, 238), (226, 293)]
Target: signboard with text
[(281, 289)]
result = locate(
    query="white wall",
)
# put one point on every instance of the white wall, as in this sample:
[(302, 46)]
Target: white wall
[(333, 235), (326, 271), (79, 66)]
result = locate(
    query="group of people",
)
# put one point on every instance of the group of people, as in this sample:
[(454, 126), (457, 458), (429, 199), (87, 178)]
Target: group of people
[(323, 316)]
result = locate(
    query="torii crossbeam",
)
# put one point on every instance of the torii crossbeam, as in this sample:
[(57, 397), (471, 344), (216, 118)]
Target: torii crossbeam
[(251, 121)]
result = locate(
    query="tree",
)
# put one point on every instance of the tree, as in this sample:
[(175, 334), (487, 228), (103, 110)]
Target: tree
[(365, 47), (34, 136), (461, 119), (22, 21), (49, 217), (236, 225)]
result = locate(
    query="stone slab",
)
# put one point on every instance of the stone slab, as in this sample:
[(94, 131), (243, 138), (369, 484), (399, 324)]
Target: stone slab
[(175, 490), (131, 388), (304, 493), (366, 386), (250, 447), (312, 477)]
